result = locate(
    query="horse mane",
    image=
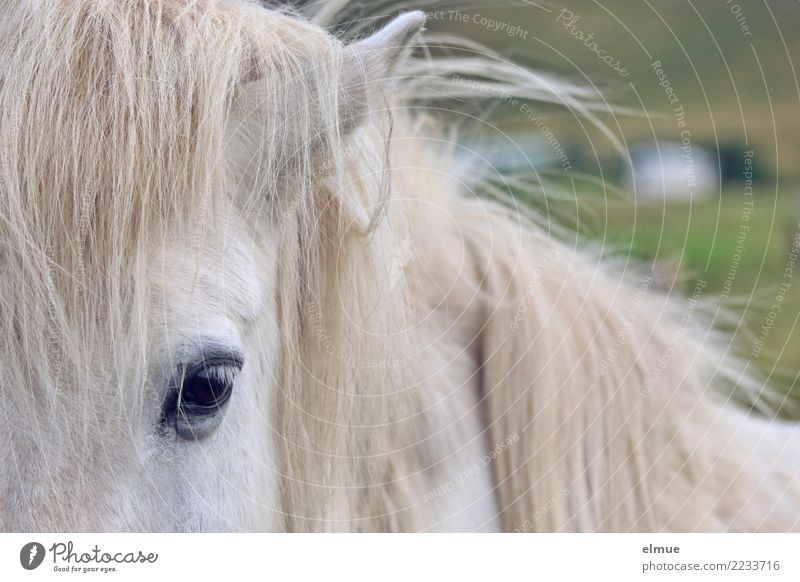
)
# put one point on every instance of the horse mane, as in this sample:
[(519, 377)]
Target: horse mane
[(130, 127), (620, 400)]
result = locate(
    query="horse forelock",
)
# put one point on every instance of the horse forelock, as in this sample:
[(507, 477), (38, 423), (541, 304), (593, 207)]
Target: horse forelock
[(113, 126)]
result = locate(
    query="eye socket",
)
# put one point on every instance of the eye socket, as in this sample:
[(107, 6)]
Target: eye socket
[(196, 403), (207, 388)]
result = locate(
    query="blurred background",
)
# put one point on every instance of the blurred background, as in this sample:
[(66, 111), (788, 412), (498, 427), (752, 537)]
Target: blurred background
[(692, 165), (696, 172)]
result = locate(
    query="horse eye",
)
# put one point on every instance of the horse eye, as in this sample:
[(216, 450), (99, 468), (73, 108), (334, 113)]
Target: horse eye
[(207, 388), (196, 403)]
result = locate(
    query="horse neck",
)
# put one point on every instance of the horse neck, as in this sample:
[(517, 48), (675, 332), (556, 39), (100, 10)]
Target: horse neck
[(600, 385)]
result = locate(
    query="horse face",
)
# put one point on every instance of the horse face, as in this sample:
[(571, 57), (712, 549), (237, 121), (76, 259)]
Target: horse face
[(171, 426), (180, 440), (208, 456)]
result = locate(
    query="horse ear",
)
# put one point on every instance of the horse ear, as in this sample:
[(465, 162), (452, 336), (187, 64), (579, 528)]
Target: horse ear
[(368, 64), (371, 62)]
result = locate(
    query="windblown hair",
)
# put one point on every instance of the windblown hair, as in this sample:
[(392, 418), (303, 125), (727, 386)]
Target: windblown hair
[(167, 115), (620, 398)]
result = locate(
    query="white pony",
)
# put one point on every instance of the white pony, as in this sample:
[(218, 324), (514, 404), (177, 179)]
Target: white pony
[(243, 289)]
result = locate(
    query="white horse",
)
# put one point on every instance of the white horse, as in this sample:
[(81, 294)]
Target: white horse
[(243, 289)]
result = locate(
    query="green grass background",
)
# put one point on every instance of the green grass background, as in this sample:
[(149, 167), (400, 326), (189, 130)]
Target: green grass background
[(700, 240), (737, 89)]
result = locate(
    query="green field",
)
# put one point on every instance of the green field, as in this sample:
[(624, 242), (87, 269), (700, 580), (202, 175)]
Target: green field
[(738, 87), (730, 69), (704, 240)]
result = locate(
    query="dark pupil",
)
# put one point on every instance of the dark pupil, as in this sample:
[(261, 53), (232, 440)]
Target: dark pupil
[(205, 389)]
